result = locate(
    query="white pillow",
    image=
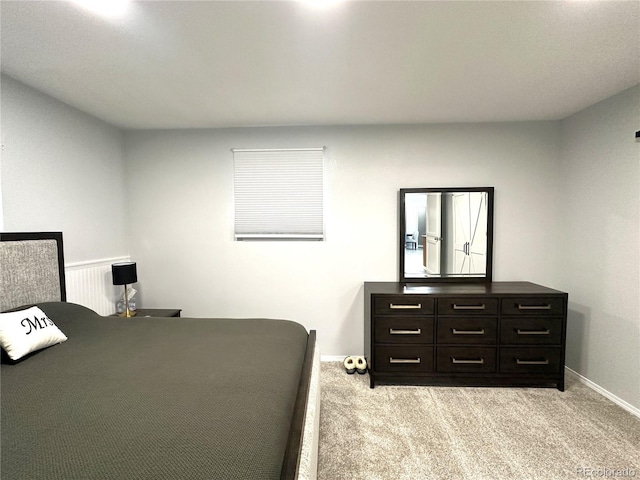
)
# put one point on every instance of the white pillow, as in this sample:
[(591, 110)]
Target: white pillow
[(26, 331)]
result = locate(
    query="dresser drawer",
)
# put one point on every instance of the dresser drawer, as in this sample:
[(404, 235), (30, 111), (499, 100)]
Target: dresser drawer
[(403, 305), (533, 306), (466, 359), (403, 329), (405, 358), (465, 330), (530, 360), (468, 306), (531, 331)]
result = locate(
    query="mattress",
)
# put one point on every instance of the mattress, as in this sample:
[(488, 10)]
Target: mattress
[(152, 398)]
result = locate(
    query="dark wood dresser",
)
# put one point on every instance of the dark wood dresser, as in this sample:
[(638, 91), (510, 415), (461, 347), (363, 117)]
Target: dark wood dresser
[(482, 334)]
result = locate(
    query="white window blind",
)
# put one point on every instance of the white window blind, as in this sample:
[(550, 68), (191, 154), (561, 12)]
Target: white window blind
[(278, 193)]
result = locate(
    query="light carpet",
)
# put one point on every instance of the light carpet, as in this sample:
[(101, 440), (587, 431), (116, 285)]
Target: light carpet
[(400, 432)]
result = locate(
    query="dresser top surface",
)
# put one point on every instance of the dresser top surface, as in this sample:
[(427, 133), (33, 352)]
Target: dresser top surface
[(492, 288)]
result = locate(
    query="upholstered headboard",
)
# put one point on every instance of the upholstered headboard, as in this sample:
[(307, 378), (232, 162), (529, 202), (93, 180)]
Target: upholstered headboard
[(31, 269)]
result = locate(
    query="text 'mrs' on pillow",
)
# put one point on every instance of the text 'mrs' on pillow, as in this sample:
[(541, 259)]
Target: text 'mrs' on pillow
[(26, 331)]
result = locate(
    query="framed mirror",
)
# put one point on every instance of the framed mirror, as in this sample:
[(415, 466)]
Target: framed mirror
[(446, 234)]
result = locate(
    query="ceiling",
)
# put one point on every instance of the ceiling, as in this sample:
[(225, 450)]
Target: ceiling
[(196, 64)]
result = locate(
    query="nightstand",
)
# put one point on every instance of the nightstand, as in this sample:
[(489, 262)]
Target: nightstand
[(158, 312), (155, 312)]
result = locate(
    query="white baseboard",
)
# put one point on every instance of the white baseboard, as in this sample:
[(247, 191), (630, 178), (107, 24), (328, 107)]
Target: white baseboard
[(605, 393), (332, 358)]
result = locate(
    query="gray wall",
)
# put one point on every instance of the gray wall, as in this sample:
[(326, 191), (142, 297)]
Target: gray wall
[(600, 239), (567, 214), (182, 216), (62, 170)]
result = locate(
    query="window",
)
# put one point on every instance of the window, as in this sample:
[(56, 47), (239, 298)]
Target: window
[(278, 193)]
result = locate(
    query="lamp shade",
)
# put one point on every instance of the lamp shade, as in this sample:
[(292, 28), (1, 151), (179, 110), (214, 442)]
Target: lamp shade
[(124, 273)]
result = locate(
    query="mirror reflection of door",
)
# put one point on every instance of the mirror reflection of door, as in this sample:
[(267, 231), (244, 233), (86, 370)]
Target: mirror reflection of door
[(461, 227), (432, 240), (469, 232), (477, 249)]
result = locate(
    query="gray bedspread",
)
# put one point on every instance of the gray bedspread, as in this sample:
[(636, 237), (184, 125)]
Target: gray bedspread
[(152, 398)]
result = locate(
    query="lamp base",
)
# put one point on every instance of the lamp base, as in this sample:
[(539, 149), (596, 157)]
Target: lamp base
[(128, 313)]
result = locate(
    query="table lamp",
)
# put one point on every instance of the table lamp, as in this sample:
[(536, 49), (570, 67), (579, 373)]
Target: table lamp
[(124, 273)]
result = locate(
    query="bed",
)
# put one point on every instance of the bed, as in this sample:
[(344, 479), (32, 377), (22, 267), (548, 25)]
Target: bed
[(149, 398)]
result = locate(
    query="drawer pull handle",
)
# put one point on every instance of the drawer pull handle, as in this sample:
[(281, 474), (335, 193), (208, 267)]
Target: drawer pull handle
[(546, 306), (469, 307), (404, 360), (532, 362), (533, 332), (468, 332), (417, 306), (475, 361), (417, 331)]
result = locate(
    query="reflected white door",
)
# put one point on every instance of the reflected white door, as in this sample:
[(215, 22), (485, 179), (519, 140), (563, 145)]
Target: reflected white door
[(477, 248), (469, 233), (461, 232), (432, 238)]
